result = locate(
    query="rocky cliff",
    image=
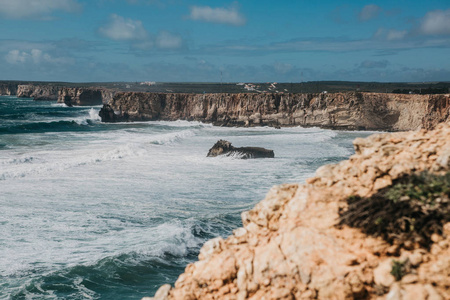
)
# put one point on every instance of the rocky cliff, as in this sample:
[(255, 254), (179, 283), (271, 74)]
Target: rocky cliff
[(8, 89), (351, 110), (85, 96), (295, 245), (38, 92)]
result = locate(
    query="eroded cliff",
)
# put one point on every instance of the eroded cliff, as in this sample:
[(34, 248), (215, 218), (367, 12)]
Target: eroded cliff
[(8, 89), (351, 110), (293, 246), (38, 92), (85, 96)]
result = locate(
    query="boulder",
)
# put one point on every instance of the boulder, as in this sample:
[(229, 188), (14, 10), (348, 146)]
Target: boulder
[(223, 147)]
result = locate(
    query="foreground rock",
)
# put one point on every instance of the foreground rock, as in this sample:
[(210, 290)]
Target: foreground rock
[(225, 148), (291, 245), (350, 110)]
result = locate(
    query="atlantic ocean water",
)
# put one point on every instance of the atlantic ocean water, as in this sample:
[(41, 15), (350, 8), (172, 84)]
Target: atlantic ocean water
[(112, 211)]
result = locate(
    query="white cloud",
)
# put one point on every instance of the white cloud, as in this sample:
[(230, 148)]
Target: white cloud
[(20, 9), (390, 34), (230, 16), (120, 29), (393, 34), (16, 56), (167, 40), (436, 22), (369, 12), (34, 56)]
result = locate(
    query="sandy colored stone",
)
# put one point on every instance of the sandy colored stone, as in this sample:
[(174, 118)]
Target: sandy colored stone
[(382, 274), (290, 247), (346, 110)]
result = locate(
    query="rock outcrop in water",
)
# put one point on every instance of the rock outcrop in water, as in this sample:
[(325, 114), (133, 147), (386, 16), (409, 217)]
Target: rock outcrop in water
[(84, 96), (225, 148), (293, 246), (38, 92), (351, 110)]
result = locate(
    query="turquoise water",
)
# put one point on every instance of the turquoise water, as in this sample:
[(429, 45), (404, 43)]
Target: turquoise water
[(112, 211)]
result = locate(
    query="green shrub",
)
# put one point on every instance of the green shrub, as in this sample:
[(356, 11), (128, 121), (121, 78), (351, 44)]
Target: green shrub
[(411, 209)]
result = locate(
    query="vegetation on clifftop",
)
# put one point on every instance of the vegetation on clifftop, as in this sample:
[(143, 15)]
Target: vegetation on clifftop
[(407, 213)]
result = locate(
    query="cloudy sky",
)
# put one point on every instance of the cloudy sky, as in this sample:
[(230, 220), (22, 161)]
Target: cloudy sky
[(245, 40)]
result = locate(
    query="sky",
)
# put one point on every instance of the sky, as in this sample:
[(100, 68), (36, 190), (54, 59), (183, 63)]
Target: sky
[(232, 41)]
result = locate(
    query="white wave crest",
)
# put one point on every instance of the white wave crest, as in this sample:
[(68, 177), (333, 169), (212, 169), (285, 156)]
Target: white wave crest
[(33, 165), (92, 117), (173, 137)]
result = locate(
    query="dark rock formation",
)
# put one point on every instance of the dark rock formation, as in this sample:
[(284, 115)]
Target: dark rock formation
[(84, 96), (107, 114), (8, 89), (38, 92), (225, 148)]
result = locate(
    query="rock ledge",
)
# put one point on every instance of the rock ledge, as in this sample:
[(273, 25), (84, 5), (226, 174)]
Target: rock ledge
[(290, 246)]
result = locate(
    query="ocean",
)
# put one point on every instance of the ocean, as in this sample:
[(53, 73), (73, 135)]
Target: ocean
[(112, 211)]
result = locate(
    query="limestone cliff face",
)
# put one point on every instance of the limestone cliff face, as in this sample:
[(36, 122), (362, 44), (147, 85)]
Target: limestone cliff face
[(8, 89), (290, 247), (84, 96), (366, 111), (38, 92)]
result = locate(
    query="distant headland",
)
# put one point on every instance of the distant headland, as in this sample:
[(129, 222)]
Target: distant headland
[(326, 104)]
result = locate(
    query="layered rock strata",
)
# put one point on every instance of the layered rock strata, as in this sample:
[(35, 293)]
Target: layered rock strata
[(351, 110), (84, 96), (290, 246), (38, 92)]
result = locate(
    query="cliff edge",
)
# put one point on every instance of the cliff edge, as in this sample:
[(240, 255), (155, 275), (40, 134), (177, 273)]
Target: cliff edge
[(348, 110), (37, 92), (84, 96), (310, 241)]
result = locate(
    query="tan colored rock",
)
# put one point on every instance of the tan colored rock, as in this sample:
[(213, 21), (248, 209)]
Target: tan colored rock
[(349, 110), (38, 92), (415, 259), (161, 294), (84, 96), (382, 274), (395, 293), (291, 248)]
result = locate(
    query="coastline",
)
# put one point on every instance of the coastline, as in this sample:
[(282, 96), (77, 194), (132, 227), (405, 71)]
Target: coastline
[(347, 110), (380, 161), (339, 111), (291, 245)]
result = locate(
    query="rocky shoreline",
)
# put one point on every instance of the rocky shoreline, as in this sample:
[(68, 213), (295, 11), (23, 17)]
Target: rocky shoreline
[(71, 96), (342, 111), (345, 111), (293, 246)]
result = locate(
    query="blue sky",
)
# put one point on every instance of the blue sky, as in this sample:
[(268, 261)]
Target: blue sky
[(246, 40)]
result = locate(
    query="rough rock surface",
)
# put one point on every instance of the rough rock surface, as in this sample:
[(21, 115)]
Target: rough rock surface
[(84, 96), (108, 114), (290, 247), (350, 110), (223, 147), (37, 92), (8, 89)]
